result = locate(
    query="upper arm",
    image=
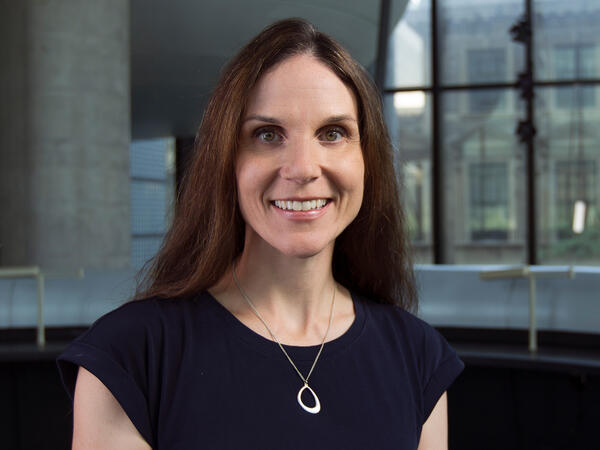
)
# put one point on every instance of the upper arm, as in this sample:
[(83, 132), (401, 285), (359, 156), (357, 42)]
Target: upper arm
[(99, 421), (434, 435)]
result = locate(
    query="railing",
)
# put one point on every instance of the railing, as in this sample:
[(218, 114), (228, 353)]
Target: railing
[(40, 277), (530, 272)]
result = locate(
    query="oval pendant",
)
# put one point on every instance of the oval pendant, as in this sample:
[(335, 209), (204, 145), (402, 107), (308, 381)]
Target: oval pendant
[(315, 409)]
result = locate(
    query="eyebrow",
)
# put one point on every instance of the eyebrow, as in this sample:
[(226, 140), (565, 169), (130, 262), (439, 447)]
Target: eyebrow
[(342, 118), (332, 119), (262, 119)]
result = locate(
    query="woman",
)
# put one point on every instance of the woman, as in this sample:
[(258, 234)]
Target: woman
[(276, 314)]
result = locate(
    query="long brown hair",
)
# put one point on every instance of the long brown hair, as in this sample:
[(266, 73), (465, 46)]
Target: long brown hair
[(207, 233)]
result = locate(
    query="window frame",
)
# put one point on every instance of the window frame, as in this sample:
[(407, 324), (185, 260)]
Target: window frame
[(436, 90)]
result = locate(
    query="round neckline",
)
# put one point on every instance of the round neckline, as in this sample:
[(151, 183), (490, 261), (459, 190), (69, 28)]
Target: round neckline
[(301, 353)]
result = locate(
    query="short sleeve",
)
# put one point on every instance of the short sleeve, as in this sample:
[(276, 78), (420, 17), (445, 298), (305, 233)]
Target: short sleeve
[(121, 350), (441, 366)]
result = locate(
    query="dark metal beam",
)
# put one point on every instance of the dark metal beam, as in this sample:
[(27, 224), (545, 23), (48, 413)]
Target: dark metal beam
[(483, 86), (437, 157), (382, 43), (531, 185)]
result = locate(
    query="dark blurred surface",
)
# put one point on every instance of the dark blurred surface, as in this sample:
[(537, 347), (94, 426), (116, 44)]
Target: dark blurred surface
[(499, 402), (35, 411)]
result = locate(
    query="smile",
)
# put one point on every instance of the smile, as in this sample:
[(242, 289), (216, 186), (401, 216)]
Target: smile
[(295, 205)]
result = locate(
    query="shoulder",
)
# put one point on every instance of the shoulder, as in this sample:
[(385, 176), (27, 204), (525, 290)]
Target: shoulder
[(429, 358), (132, 349), (396, 319), (410, 335), (154, 307), (135, 336), (146, 316), (131, 341)]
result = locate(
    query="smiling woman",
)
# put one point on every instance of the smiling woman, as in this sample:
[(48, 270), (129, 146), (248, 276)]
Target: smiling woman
[(299, 145), (280, 300)]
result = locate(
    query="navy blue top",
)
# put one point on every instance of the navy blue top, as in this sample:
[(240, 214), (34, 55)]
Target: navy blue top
[(189, 375)]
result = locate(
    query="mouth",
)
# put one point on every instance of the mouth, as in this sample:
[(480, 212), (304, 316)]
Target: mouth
[(301, 205)]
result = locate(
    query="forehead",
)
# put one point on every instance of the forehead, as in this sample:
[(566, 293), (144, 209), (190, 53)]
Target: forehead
[(301, 82)]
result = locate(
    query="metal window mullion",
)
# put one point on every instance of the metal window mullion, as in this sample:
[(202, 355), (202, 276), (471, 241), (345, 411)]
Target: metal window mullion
[(437, 190), (531, 188), (382, 43), (570, 82)]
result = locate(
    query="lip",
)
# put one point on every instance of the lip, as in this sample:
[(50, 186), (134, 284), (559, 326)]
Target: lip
[(302, 216), (299, 199)]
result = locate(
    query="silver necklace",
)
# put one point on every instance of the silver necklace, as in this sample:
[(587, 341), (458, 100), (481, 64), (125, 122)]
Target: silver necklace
[(314, 409)]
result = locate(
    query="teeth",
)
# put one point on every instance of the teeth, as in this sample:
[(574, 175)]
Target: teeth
[(300, 206)]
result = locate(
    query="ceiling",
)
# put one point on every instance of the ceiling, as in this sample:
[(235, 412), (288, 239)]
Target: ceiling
[(179, 47)]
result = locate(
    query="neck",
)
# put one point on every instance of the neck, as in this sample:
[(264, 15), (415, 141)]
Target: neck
[(284, 286), (293, 295)]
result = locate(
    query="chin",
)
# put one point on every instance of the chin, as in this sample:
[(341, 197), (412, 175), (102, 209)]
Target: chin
[(299, 250)]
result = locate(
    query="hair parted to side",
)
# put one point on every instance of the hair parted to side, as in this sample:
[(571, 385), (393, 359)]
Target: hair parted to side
[(207, 232)]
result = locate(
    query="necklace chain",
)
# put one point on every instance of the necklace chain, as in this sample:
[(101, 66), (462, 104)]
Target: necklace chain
[(247, 298)]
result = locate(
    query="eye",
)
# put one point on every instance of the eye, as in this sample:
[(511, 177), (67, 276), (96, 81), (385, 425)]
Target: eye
[(268, 135), (333, 134)]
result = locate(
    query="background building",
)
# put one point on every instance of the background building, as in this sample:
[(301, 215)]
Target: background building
[(479, 105)]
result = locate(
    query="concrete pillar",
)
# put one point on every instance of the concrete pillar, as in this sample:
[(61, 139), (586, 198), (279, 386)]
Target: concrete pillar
[(64, 133)]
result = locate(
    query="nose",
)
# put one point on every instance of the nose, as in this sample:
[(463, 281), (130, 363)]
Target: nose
[(301, 162)]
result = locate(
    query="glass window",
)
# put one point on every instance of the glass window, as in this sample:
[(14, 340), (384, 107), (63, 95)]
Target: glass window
[(152, 192), (148, 207), (143, 248), (147, 158), (575, 97), (474, 41), (573, 61), (568, 185), (575, 182), (488, 206), (566, 38), (409, 50), (483, 162), (484, 101), (486, 64), (408, 116), (484, 181)]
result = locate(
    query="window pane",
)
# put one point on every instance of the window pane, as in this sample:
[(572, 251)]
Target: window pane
[(148, 158), (488, 203), (408, 117), (143, 248), (409, 54), (567, 42), (475, 44), (148, 207), (152, 195), (485, 101), (569, 98), (568, 185), (484, 178)]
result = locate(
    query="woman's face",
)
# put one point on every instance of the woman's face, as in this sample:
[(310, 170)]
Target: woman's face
[(299, 168)]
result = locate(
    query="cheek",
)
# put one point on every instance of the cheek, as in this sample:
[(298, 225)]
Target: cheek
[(245, 173), (252, 182), (242, 176), (355, 175), (358, 178)]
